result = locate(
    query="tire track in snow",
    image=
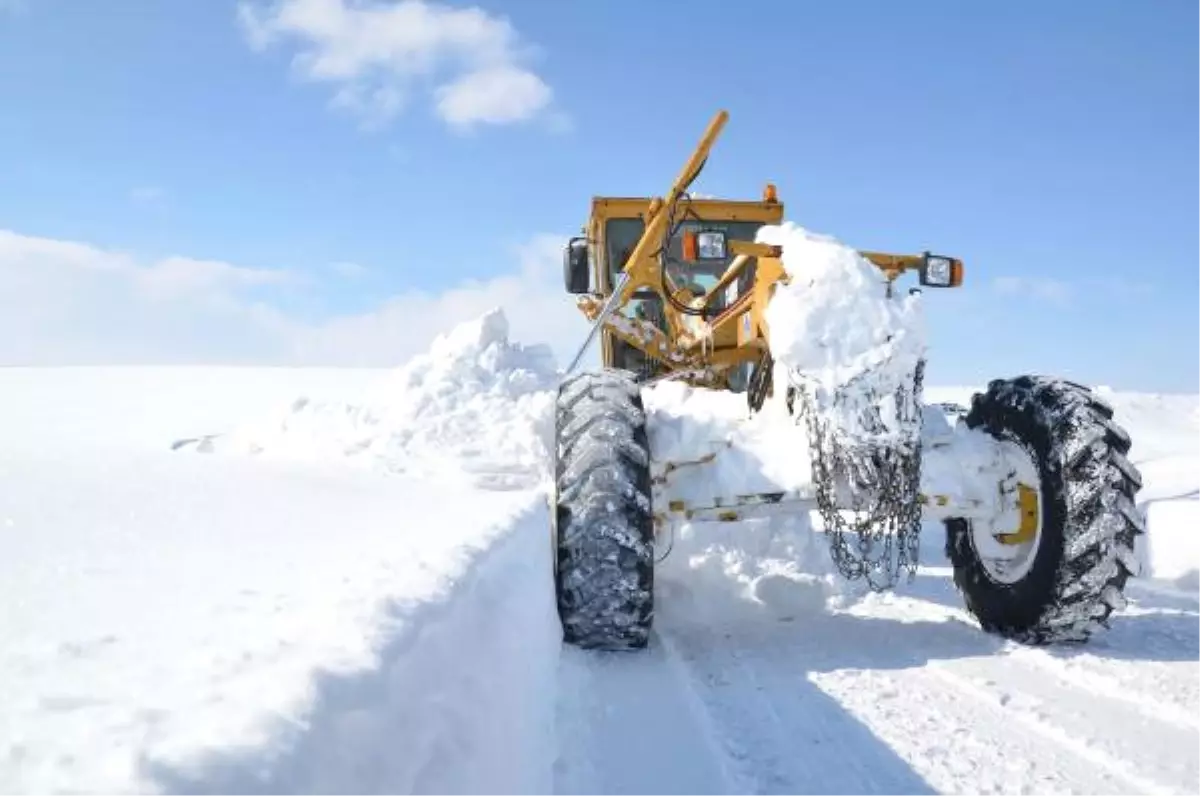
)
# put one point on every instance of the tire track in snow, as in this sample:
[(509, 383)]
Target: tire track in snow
[(1025, 710), (1143, 660), (845, 703), (957, 746), (628, 723), (1109, 688), (1169, 595), (878, 660), (783, 734), (1111, 711), (901, 693)]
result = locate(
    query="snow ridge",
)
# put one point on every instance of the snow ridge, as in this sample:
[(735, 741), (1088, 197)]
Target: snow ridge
[(475, 405)]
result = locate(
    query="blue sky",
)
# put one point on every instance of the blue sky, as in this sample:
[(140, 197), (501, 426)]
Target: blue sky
[(312, 181)]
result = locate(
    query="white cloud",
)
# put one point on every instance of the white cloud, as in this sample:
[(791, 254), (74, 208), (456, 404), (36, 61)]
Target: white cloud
[(65, 302), (374, 54), (1064, 293), (494, 96), (1039, 287), (538, 310), (348, 270), (184, 277)]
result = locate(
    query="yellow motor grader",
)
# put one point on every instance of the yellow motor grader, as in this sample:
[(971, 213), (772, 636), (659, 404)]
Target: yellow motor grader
[(1034, 487)]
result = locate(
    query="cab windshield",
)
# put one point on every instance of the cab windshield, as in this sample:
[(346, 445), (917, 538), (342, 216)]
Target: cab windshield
[(622, 234)]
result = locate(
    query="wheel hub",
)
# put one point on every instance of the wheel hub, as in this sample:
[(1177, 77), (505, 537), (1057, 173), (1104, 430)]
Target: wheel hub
[(1008, 546)]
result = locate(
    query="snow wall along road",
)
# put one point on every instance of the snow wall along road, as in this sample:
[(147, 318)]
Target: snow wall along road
[(459, 694)]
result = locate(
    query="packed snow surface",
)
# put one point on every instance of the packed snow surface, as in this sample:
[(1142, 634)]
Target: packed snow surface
[(272, 580)]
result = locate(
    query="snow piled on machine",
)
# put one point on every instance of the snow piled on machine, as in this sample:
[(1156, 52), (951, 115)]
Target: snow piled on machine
[(833, 320), (474, 404), (837, 334)]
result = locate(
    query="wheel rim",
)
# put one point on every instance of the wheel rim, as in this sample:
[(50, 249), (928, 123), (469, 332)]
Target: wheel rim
[(1008, 546)]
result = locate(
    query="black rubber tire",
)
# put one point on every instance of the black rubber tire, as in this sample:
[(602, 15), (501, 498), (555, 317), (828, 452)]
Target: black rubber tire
[(604, 527), (1089, 515)]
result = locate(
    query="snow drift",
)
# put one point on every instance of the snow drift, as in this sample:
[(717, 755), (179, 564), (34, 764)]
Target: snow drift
[(475, 404)]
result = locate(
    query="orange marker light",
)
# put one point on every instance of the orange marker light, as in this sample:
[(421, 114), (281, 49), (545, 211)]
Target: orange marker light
[(956, 273), (690, 249), (769, 194)]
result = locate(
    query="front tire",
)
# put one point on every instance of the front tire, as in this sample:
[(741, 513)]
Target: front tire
[(604, 523), (1088, 521)]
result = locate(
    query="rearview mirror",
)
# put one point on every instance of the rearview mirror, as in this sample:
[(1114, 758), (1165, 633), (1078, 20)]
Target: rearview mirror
[(575, 266)]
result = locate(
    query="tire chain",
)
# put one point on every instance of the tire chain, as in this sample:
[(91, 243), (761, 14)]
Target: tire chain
[(888, 535)]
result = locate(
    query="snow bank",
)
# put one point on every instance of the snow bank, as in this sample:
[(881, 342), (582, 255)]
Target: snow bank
[(457, 696), (1170, 550), (1163, 425), (475, 404), (205, 623)]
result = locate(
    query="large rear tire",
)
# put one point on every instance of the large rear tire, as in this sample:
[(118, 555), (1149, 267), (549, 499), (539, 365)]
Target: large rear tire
[(604, 523), (1088, 521)]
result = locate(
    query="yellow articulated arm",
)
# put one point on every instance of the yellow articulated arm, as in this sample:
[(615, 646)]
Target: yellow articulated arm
[(642, 269)]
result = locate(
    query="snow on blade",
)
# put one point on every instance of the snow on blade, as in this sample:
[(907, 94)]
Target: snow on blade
[(474, 404), (710, 568), (760, 453)]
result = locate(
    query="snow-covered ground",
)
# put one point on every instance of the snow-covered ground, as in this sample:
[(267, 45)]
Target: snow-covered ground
[(291, 620), (263, 580)]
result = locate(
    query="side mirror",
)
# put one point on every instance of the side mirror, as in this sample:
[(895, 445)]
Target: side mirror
[(576, 274), (939, 271)]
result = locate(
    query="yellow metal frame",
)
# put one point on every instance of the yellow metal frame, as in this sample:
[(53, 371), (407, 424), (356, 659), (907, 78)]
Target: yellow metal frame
[(704, 352)]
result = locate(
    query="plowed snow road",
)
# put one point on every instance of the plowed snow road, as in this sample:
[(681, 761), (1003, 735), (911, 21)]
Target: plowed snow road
[(899, 694)]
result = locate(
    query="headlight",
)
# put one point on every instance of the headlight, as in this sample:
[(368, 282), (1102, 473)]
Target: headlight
[(940, 271), (937, 271), (710, 245)]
